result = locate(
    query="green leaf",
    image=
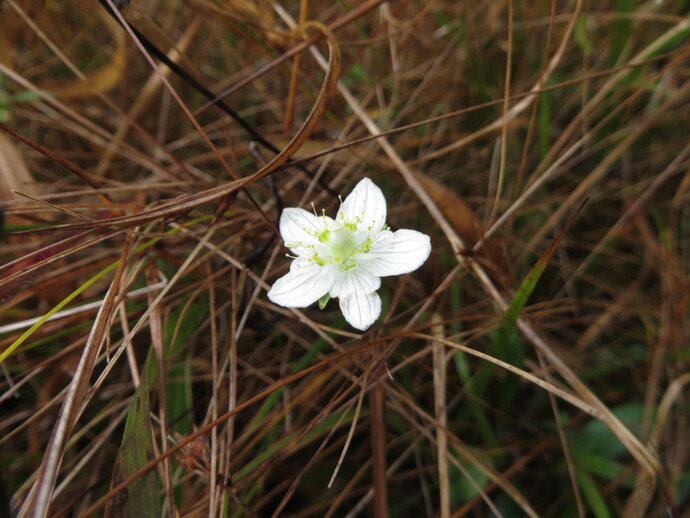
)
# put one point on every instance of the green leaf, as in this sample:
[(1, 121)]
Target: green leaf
[(183, 323), (597, 464), (582, 36), (592, 495), (462, 488), (324, 300), (597, 438), (140, 499), (545, 119), (622, 29)]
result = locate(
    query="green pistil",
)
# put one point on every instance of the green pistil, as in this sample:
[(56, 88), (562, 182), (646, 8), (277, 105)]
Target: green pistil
[(342, 242), (342, 247)]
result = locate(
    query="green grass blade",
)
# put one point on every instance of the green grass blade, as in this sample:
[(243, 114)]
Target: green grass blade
[(527, 286), (19, 341)]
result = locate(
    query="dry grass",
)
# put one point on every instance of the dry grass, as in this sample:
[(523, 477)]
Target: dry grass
[(535, 365)]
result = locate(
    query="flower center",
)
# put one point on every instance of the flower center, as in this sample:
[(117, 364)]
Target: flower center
[(343, 244), (342, 248)]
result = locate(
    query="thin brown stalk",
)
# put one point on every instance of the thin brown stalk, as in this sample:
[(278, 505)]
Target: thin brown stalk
[(377, 402), (440, 411)]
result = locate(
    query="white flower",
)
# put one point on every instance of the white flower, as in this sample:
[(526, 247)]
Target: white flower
[(346, 257)]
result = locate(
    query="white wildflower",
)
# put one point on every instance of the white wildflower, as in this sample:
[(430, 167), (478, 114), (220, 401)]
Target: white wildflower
[(346, 257)]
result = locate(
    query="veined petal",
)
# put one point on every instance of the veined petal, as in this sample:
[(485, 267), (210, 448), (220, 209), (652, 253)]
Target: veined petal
[(300, 230), (354, 281), (365, 207), (305, 283), (395, 253), (361, 309)]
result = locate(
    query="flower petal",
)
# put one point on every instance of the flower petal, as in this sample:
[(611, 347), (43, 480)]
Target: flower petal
[(305, 283), (395, 253), (300, 230), (352, 281), (365, 206), (361, 309)]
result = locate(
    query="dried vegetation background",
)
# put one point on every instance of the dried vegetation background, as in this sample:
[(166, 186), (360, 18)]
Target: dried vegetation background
[(536, 365)]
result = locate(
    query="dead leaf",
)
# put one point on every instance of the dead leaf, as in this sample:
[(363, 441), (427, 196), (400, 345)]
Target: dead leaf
[(14, 176), (491, 255), (100, 80)]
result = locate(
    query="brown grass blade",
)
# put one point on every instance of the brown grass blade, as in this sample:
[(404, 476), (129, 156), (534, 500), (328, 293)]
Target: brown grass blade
[(190, 201), (39, 499)]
